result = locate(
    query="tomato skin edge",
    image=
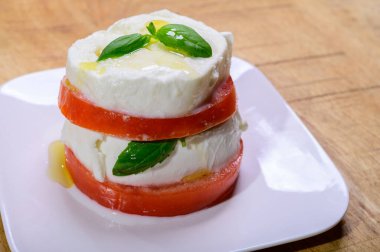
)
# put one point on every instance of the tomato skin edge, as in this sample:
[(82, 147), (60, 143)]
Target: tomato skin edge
[(82, 112), (167, 200)]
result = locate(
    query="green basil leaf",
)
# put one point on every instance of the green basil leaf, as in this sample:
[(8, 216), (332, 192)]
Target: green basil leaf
[(185, 40), (183, 142), (124, 45), (151, 28), (140, 156)]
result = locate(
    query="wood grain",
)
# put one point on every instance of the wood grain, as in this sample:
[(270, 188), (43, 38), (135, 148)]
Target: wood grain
[(323, 57)]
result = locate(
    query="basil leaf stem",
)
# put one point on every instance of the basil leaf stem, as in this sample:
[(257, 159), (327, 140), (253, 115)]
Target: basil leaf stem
[(151, 28), (124, 45)]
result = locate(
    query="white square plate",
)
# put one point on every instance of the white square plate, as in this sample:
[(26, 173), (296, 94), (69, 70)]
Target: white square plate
[(288, 187)]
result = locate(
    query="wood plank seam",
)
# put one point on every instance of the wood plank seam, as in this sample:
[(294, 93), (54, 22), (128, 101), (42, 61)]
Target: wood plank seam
[(311, 57), (349, 91), (311, 82)]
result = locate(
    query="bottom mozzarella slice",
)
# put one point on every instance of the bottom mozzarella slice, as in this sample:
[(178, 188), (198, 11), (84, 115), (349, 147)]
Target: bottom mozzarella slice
[(208, 150)]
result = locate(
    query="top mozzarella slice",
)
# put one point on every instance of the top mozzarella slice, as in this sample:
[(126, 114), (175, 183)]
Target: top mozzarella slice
[(153, 81)]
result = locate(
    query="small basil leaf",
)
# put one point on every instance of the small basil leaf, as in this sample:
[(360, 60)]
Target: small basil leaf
[(124, 45), (183, 142), (151, 28), (185, 40), (140, 156)]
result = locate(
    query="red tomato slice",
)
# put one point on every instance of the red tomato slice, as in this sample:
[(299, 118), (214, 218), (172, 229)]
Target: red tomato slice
[(82, 112), (169, 200)]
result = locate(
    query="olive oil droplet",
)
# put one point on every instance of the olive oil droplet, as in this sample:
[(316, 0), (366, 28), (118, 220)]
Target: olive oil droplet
[(156, 55), (57, 170), (201, 173), (92, 66)]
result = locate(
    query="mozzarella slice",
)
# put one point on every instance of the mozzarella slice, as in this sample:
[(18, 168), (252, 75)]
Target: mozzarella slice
[(153, 81), (209, 150)]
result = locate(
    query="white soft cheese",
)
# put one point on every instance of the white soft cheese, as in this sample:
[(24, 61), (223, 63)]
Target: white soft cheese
[(151, 82), (208, 150)]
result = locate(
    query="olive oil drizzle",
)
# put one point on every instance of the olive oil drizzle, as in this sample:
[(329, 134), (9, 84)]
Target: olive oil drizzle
[(57, 170)]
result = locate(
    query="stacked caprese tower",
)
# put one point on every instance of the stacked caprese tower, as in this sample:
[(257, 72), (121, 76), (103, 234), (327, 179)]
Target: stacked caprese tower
[(152, 126)]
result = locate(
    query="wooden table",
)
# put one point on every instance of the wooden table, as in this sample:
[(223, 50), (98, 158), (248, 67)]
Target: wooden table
[(323, 56)]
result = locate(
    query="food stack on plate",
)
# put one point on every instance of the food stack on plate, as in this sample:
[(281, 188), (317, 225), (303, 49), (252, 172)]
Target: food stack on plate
[(152, 125)]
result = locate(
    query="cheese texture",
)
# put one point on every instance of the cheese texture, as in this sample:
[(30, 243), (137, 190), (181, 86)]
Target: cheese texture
[(209, 150), (153, 81)]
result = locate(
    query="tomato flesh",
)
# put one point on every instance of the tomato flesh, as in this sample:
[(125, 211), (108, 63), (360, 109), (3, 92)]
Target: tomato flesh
[(82, 112), (168, 200)]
